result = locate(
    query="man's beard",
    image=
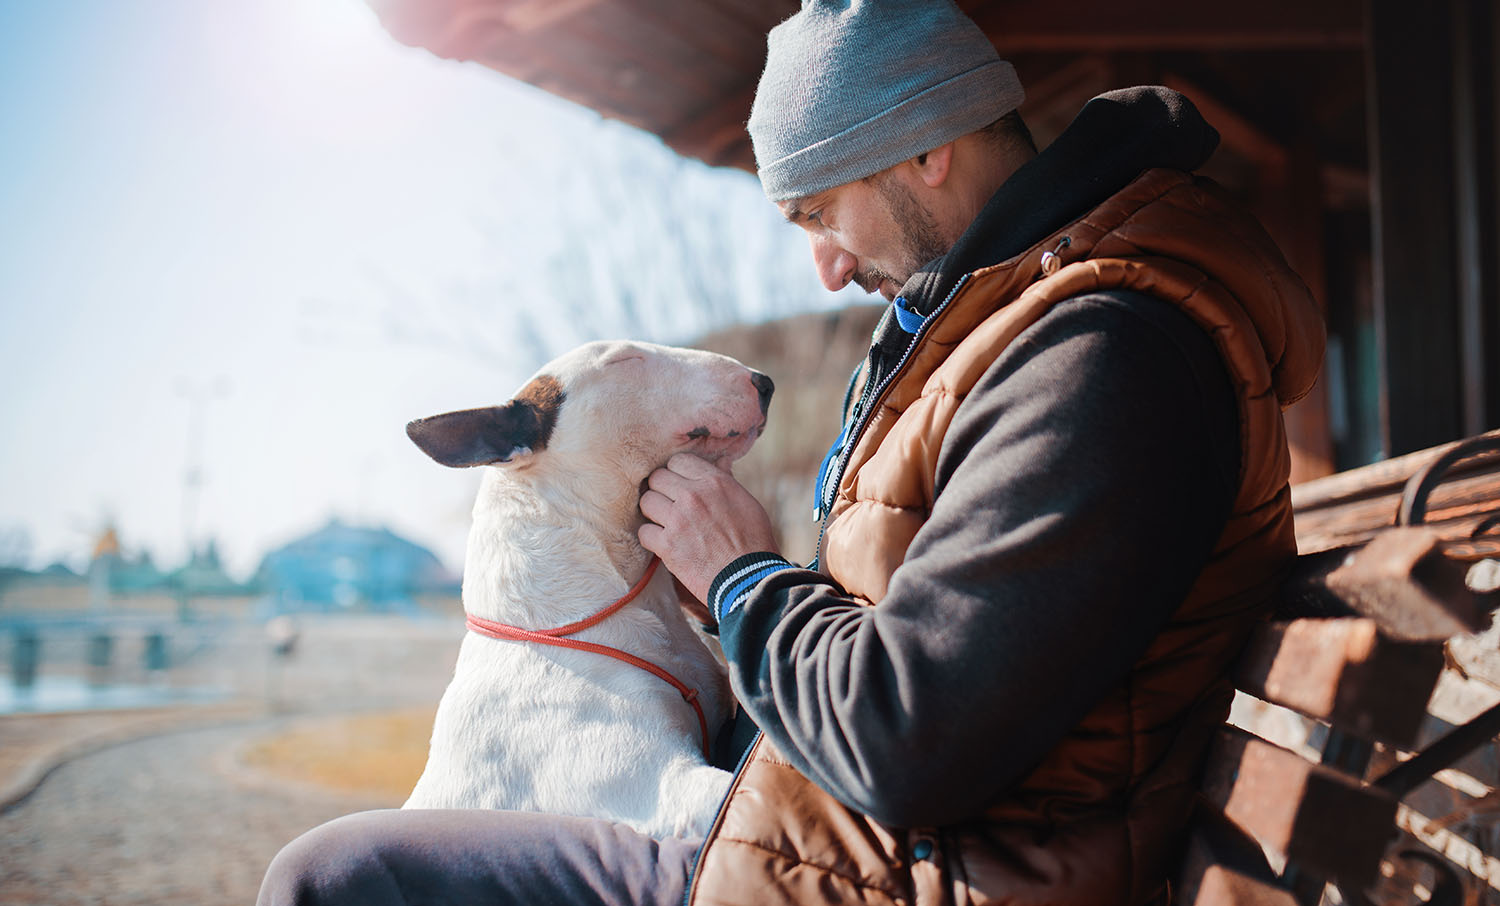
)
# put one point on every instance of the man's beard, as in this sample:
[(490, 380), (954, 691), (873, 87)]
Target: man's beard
[(920, 239)]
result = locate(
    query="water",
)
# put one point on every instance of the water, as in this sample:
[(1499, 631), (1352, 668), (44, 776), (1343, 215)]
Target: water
[(72, 693)]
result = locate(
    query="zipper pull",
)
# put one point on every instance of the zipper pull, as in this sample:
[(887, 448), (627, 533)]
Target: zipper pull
[(1052, 261)]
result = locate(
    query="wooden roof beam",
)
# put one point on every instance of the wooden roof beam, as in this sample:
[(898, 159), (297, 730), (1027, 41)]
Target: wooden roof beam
[(529, 15), (709, 132), (1017, 26), (1237, 130)]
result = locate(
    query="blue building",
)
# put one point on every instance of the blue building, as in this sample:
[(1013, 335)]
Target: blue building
[(349, 568)]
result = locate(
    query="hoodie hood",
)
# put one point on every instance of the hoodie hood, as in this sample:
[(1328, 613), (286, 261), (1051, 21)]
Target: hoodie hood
[(1113, 139)]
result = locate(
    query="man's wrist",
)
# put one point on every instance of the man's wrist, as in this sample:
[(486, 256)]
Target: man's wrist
[(733, 584)]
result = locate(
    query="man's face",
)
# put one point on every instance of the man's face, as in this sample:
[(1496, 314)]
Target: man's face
[(874, 232)]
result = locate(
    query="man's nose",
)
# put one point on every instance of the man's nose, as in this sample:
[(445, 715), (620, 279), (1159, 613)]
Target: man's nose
[(834, 265)]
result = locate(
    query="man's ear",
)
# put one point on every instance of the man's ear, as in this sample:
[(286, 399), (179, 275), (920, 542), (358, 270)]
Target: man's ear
[(495, 434), (933, 167)]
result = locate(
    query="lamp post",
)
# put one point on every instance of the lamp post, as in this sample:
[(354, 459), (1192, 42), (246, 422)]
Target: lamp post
[(198, 395)]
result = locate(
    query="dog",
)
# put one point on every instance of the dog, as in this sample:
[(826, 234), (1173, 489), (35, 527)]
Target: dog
[(525, 724)]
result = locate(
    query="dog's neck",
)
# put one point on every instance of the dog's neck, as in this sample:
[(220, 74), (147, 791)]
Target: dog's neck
[(543, 554)]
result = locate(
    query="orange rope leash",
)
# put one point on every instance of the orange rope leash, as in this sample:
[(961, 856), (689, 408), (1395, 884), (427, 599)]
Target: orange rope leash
[(557, 637)]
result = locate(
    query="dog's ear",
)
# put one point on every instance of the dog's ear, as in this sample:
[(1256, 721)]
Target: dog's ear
[(476, 437), (495, 434)]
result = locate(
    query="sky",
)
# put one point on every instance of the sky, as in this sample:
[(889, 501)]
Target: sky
[(249, 241)]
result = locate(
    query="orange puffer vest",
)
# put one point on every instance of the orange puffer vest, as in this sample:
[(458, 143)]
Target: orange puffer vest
[(1098, 821)]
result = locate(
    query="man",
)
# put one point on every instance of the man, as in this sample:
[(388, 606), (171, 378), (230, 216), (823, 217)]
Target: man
[(1056, 507), (1060, 500)]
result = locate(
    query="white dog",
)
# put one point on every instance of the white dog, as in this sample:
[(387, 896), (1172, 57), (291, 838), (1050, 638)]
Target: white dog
[(531, 726)]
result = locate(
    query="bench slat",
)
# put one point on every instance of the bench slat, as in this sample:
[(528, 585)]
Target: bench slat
[(1354, 506), (1221, 886), (1224, 865), (1409, 580), (1315, 816), (1344, 672)]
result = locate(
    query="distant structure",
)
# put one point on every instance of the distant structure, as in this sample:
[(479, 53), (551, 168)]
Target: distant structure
[(56, 588), (337, 569), (103, 564), (118, 581), (341, 568), (204, 576), (112, 573)]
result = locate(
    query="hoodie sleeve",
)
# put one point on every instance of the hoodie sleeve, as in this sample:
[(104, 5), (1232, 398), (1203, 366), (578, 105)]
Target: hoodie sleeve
[(1080, 488)]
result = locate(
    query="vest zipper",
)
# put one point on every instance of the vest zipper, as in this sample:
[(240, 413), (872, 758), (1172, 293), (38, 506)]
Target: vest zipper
[(687, 890), (862, 416)]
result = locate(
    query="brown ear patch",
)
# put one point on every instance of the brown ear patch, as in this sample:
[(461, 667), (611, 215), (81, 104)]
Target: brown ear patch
[(496, 434), (545, 397)]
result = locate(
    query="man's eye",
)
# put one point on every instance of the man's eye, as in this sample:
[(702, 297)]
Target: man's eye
[(816, 217)]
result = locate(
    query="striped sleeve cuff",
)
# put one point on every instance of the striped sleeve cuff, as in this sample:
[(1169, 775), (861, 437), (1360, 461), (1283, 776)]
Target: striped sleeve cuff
[(734, 582)]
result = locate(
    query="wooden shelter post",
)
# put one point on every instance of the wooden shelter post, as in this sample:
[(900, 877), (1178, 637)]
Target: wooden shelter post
[(1432, 82), (1476, 163), (1410, 82)]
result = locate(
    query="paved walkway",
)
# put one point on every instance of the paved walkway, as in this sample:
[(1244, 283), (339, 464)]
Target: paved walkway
[(152, 806), (168, 820)]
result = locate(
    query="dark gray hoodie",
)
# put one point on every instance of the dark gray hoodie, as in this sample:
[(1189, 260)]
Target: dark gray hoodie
[(1079, 490)]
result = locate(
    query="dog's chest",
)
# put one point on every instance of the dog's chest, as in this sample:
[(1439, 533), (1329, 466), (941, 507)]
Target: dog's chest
[(552, 730)]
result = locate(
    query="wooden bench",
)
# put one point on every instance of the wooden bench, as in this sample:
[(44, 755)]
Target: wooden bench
[(1368, 681)]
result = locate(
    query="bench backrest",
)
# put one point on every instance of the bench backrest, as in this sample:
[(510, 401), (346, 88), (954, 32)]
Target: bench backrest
[(1322, 775)]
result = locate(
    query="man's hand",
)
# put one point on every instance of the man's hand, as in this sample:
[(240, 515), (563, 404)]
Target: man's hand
[(700, 520), (694, 608)]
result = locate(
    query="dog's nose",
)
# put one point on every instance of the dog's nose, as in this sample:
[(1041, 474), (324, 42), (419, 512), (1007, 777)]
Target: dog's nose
[(764, 386)]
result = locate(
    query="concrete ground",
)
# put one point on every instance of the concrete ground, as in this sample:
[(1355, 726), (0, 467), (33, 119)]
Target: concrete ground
[(162, 806), (171, 818)]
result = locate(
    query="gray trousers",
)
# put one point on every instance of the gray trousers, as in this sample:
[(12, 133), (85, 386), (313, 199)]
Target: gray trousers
[(460, 857)]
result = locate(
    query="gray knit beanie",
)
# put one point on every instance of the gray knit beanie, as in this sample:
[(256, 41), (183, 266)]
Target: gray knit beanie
[(852, 87)]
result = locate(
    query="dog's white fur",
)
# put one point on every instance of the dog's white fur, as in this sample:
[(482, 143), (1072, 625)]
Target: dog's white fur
[(539, 728)]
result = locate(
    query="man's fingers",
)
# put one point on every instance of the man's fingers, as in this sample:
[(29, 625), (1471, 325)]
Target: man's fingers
[(655, 506), (667, 483), (651, 536), (692, 467)]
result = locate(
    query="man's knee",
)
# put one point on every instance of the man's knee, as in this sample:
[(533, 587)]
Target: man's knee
[(340, 862)]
